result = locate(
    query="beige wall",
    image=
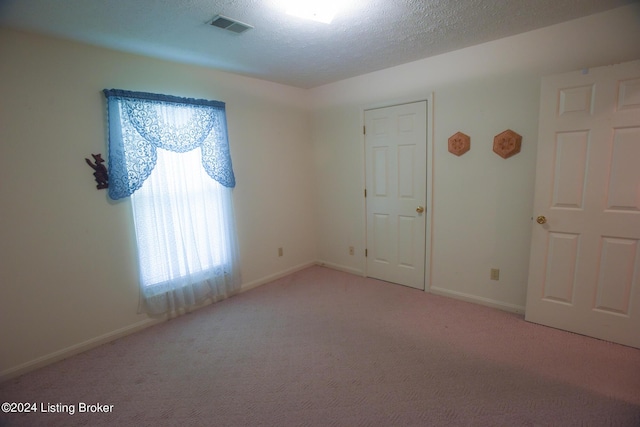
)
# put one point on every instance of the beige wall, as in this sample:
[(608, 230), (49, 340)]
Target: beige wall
[(67, 256), (482, 204)]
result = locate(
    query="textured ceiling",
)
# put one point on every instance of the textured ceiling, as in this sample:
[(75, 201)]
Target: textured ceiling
[(366, 36)]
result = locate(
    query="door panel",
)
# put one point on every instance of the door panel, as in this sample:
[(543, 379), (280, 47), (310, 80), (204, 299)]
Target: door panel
[(570, 166), (623, 195), (562, 257), (618, 260), (584, 273), (396, 154)]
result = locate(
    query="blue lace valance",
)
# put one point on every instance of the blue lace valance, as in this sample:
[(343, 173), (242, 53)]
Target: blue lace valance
[(140, 122)]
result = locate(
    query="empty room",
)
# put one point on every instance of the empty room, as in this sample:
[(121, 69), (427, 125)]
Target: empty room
[(261, 212)]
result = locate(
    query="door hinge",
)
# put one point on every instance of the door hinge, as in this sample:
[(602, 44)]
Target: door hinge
[(364, 130), (366, 252), (365, 192)]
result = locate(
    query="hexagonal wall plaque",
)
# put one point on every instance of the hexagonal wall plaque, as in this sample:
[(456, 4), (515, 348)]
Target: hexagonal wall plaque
[(459, 143), (507, 144)]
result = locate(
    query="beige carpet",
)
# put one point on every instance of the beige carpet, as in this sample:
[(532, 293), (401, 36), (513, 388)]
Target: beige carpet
[(325, 348)]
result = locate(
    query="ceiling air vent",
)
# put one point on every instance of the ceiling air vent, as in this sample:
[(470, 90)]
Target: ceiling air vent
[(230, 24)]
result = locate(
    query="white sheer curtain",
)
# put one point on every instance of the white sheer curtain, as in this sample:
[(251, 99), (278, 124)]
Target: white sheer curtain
[(185, 232), (171, 156)]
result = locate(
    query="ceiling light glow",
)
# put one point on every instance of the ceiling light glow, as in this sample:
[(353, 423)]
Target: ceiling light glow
[(316, 10)]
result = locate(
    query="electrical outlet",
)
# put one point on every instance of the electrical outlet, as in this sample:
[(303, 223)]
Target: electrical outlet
[(495, 274), (280, 252), (351, 250)]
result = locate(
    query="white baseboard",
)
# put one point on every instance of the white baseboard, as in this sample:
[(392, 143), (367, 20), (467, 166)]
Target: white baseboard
[(254, 284), (339, 267), (127, 330), (513, 308), (64, 353)]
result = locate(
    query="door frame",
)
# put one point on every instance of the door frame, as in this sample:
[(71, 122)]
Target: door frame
[(428, 98)]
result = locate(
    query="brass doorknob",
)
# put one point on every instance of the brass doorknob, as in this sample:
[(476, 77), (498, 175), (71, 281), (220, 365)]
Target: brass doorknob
[(541, 219), (419, 209)]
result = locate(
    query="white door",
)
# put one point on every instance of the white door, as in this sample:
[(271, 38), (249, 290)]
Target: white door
[(584, 273), (396, 174)]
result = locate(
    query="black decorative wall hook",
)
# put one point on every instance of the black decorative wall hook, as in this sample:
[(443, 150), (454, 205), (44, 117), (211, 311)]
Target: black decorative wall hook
[(101, 174)]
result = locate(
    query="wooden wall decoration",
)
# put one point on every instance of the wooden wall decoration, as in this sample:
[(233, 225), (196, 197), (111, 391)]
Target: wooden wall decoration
[(507, 144), (459, 143), (101, 174)]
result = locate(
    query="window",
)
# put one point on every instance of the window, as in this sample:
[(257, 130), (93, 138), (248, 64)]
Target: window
[(171, 156)]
